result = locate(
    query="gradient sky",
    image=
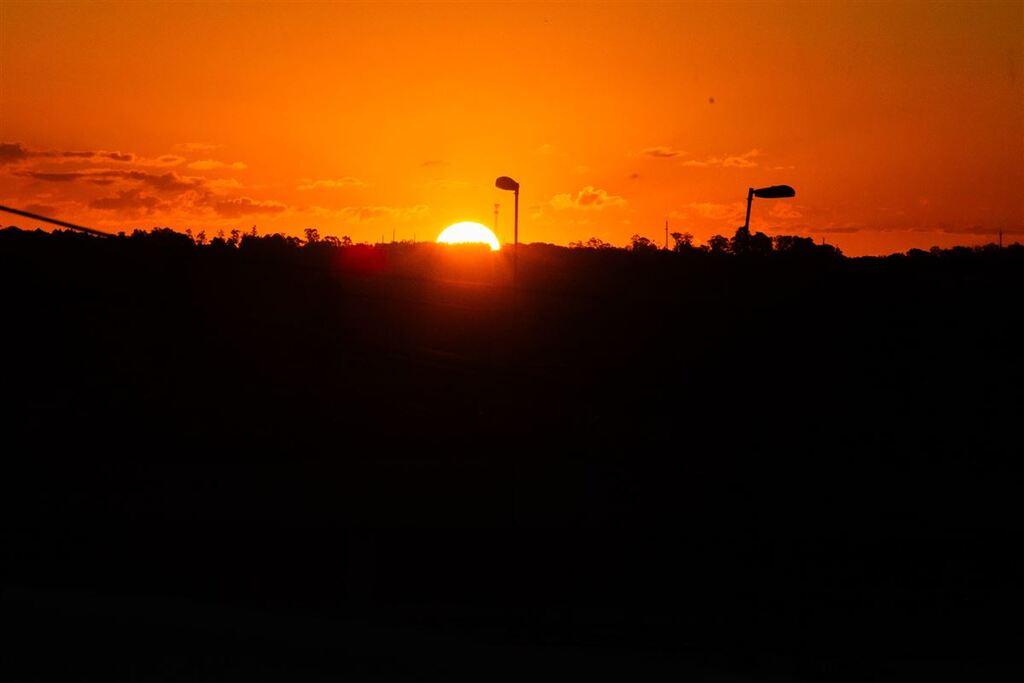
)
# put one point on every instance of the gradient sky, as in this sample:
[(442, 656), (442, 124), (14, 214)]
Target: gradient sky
[(900, 124)]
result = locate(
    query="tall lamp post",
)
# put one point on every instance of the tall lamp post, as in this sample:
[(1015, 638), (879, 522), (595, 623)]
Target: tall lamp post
[(773, 192), (506, 183)]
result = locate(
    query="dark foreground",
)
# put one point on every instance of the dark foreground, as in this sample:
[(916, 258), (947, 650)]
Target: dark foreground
[(284, 463)]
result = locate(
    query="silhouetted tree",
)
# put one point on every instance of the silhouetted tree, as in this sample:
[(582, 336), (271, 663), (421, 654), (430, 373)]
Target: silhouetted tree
[(312, 235), (683, 241), (791, 244), (592, 243), (745, 244), (638, 243), (718, 244)]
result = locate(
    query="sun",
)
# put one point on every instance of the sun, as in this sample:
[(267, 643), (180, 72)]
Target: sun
[(468, 232)]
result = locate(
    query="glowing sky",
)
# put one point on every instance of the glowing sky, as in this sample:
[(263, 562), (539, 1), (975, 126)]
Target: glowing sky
[(899, 124)]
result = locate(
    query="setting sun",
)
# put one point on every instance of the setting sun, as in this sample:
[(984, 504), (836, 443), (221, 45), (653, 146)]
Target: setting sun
[(468, 232)]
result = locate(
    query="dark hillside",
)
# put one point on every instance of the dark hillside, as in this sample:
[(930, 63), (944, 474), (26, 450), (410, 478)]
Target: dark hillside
[(790, 465)]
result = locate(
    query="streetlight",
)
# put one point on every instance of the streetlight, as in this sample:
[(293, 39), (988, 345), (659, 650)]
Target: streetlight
[(506, 183), (773, 192)]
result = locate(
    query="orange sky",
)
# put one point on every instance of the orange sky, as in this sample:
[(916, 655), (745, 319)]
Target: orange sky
[(899, 124)]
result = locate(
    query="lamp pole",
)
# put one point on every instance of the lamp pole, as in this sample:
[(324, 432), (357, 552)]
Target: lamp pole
[(506, 183), (772, 192), (750, 200)]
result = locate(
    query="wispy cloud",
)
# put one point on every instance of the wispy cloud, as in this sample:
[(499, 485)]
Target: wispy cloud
[(112, 156), (166, 182), (347, 181), (837, 229), (785, 211), (224, 183), (165, 160), (719, 212), (589, 198), (53, 177), (13, 152), (196, 146), (130, 185), (43, 209), (132, 201), (213, 164), (662, 152), (745, 160), (369, 213), (244, 206)]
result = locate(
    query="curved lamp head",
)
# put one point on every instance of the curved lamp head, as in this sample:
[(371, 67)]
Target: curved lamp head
[(775, 192), (506, 183)]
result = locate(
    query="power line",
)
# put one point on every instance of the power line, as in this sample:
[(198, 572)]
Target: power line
[(37, 217)]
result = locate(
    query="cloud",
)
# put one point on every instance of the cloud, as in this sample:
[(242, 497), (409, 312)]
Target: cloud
[(634, 176), (433, 163), (43, 209), (127, 200), (112, 156), (244, 206), (347, 181), (211, 164), (196, 146), (224, 183), (146, 186), (588, 198), (165, 182), (12, 152), (842, 229), (545, 150), (54, 177), (166, 160), (662, 152), (369, 213), (719, 212), (744, 160), (784, 210), (15, 151)]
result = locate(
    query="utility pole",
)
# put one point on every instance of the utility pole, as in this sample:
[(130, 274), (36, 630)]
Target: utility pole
[(666, 234), (496, 234)]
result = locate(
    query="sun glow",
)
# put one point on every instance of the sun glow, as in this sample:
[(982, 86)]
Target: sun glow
[(468, 232)]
